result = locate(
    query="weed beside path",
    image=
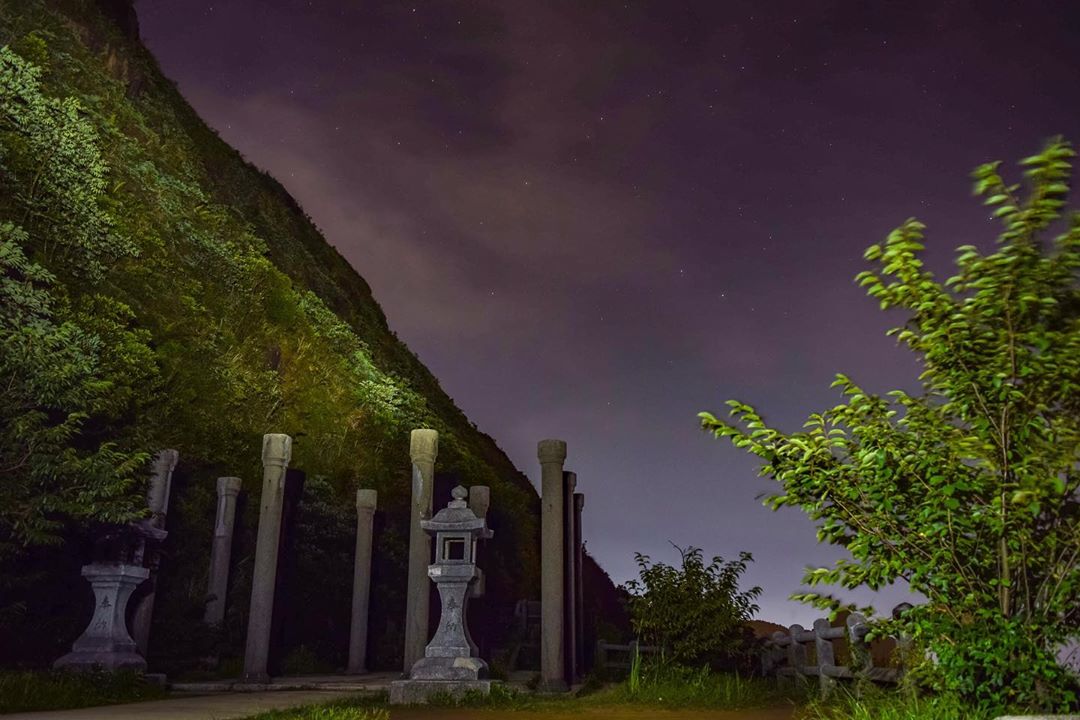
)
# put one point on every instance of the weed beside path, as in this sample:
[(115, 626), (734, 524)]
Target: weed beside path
[(58, 690), (365, 711), (219, 706), (604, 713)]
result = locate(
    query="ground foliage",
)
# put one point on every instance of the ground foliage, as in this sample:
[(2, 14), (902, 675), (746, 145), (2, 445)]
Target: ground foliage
[(158, 291), (874, 703), (34, 691), (694, 613), (969, 490), (343, 710)]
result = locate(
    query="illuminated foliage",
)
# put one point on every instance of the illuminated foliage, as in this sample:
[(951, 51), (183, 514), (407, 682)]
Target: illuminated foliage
[(969, 490), (158, 291)]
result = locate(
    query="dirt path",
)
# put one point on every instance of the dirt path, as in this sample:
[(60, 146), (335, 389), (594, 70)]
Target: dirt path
[(591, 714), (229, 706), (222, 706)]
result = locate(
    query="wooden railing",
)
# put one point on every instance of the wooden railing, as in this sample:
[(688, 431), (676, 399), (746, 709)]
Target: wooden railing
[(786, 655)]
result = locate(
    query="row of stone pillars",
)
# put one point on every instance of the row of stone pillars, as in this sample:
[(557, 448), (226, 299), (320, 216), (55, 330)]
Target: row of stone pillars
[(561, 588), (106, 641), (424, 448), (276, 455), (277, 451), (561, 553)]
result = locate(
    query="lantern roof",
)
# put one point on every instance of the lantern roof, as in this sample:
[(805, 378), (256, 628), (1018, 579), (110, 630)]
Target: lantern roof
[(457, 517)]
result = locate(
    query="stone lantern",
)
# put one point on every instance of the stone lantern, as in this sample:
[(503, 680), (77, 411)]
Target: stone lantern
[(449, 665)]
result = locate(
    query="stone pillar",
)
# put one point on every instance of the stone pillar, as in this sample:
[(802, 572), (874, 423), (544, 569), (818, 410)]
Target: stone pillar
[(579, 592), (284, 589), (106, 642), (157, 500), (157, 496), (423, 448), (552, 454), (479, 502), (276, 453), (221, 551), (569, 576), (366, 500)]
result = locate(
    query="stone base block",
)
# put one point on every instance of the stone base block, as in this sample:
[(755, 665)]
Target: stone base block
[(416, 692), (457, 669), (86, 660)]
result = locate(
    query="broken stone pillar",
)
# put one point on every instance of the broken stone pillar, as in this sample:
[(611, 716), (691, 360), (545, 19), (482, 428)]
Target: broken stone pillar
[(579, 592), (423, 448), (106, 643), (552, 454), (157, 500), (569, 575), (366, 501), (479, 502), (157, 496), (276, 453), (221, 551)]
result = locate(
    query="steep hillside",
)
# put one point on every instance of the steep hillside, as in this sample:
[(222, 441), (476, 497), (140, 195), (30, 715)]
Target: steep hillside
[(213, 311)]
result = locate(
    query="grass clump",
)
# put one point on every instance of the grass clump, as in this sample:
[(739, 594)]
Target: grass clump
[(670, 685), (657, 685), (350, 709), (874, 703), (57, 690)]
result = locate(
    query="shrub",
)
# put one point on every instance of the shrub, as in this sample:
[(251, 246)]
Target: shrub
[(695, 613)]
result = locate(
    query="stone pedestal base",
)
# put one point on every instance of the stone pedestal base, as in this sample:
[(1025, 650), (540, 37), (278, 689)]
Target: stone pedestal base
[(415, 692), (449, 668), (105, 643)]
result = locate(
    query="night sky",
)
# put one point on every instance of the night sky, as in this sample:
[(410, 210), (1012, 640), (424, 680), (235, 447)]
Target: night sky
[(592, 220)]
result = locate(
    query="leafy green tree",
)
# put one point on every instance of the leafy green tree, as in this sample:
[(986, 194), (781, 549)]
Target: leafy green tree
[(50, 154), (695, 613), (967, 491), (72, 365), (65, 374)]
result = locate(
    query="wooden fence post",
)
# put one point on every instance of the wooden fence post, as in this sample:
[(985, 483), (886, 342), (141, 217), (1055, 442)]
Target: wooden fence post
[(797, 651), (776, 653), (825, 657), (861, 661)]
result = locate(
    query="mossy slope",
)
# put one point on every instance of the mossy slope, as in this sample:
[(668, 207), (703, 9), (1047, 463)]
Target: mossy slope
[(257, 325)]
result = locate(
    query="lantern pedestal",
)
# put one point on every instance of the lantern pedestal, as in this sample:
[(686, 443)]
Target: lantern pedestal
[(418, 692), (449, 666), (106, 644)]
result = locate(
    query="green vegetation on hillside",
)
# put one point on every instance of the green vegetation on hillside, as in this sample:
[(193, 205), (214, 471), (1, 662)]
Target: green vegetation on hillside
[(158, 291)]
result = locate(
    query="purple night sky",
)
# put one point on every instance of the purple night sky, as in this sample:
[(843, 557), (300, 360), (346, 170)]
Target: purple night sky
[(592, 220)]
